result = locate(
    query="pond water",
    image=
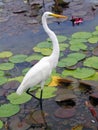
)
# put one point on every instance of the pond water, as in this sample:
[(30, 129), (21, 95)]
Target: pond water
[(70, 114)]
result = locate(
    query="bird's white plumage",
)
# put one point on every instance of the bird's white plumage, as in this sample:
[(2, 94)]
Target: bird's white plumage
[(42, 70)]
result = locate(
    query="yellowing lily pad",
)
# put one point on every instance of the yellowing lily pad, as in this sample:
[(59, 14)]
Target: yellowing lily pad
[(60, 38), (79, 73), (6, 66), (5, 54), (7, 110), (3, 80), (45, 51), (82, 35), (91, 62), (18, 58), (18, 99), (1, 124), (93, 77), (48, 92)]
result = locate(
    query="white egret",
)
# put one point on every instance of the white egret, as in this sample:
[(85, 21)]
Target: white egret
[(40, 72)]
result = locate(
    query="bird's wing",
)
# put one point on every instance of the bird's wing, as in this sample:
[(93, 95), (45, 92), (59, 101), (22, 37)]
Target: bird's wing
[(37, 74)]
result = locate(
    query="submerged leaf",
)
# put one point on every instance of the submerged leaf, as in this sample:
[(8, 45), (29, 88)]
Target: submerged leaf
[(18, 58), (7, 110), (18, 99), (48, 92), (5, 54), (6, 66)]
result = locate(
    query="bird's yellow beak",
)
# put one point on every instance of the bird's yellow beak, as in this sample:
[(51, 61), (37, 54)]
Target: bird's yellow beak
[(58, 16)]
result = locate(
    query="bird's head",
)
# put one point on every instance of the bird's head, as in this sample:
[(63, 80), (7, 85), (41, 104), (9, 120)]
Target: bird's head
[(49, 15)]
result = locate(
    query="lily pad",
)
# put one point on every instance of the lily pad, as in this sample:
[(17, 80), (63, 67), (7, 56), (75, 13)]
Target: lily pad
[(34, 57), (5, 54), (93, 39), (82, 35), (18, 58), (93, 77), (77, 47), (60, 38), (63, 46), (3, 80), (76, 41), (79, 73), (7, 110), (24, 71), (45, 51), (1, 73), (65, 113), (19, 79), (18, 99), (96, 27), (1, 124), (95, 32), (91, 62), (48, 92), (66, 62), (78, 56), (44, 44), (6, 66)]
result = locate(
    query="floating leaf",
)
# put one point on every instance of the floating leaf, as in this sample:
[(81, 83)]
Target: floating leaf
[(18, 99), (95, 32), (46, 51), (76, 41), (54, 81), (44, 44), (33, 57), (66, 62), (3, 80), (96, 27), (78, 56), (7, 110), (93, 77), (48, 92), (1, 73), (19, 79), (91, 62), (24, 71), (60, 38), (1, 124), (6, 66), (79, 73), (93, 39), (18, 58), (36, 49), (5, 54), (77, 47), (82, 35), (63, 46)]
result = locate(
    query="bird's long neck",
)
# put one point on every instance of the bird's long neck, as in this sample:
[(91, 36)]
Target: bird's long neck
[(51, 34)]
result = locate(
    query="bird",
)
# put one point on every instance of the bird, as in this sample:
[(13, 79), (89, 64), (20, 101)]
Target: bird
[(41, 71)]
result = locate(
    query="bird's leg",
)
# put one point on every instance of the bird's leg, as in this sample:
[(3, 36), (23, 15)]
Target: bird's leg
[(28, 92), (41, 105)]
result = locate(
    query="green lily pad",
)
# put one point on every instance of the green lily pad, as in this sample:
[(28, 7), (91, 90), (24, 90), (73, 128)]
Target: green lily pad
[(76, 41), (24, 71), (82, 35), (63, 46), (60, 38), (5, 54), (3, 80), (78, 56), (1, 124), (6, 66), (77, 47), (66, 62), (96, 27), (18, 58), (19, 79), (34, 57), (93, 39), (93, 77), (44, 44), (18, 99), (36, 49), (91, 62), (95, 32), (48, 92), (45, 51), (1, 73), (7, 110), (79, 73)]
